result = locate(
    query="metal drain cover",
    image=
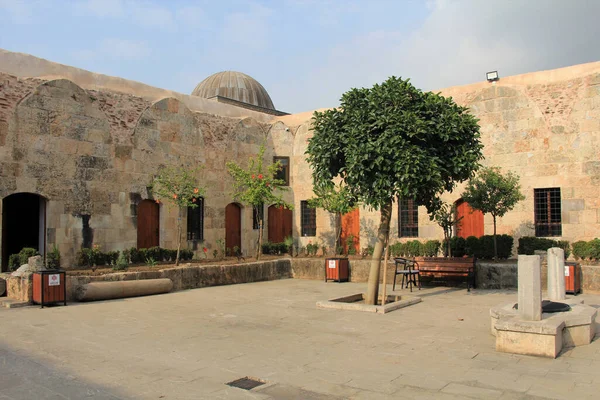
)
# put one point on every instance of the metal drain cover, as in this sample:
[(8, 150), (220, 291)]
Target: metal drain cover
[(246, 383)]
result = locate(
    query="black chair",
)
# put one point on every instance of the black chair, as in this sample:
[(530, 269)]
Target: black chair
[(409, 271)]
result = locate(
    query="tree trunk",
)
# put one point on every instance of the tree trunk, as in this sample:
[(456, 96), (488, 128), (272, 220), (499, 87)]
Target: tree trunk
[(495, 244), (385, 261), (178, 238), (382, 235), (338, 232), (260, 234)]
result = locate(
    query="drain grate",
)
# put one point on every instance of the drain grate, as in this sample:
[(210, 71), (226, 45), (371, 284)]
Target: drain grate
[(246, 383)]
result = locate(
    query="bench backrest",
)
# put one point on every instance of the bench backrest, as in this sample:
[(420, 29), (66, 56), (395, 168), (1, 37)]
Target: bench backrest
[(450, 262)]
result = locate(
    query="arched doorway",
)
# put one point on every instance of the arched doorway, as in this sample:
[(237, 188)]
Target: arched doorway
[(351, 226), (233, 226), (471, 223), (148, 227), (280, 223), (23, 224)]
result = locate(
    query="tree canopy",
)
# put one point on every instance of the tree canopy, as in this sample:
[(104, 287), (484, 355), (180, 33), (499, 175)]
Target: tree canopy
[(394, 140)]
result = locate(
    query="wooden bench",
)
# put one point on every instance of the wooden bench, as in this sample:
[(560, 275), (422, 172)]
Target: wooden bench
[(439, 267)]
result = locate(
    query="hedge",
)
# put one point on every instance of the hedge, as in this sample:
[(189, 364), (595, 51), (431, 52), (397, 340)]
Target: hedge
[(89, 257), (529, 244)]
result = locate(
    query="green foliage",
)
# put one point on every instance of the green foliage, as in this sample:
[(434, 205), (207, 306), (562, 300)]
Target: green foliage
[(186, 254), (53, 258), (366, 251), (445, 217), (21, 258), (180, 187), (593, 249), (122, 261), (215, 253), (581, 250), (324, 250), (254, 186), (350, 244), (312, 248), (221, 246), (431, 248), (275, 248), (483, 247), (529, 244), (335, 199), (493, 193), (394, 140), (457, 246), (151, 262)]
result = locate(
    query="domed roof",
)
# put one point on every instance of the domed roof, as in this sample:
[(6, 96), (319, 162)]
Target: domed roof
[(236, 86)]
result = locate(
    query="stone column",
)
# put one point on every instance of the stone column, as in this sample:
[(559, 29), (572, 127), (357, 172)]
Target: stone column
[(530, 288), (556, 274)]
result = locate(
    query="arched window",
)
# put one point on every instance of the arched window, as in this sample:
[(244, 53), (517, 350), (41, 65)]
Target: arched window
[(195, 221)]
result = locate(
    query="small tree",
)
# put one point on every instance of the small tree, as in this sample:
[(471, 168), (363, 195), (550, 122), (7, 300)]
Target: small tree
[(445, 217), (390, 141), (337, 200), (255, 186), (493, 193), (179, 187)]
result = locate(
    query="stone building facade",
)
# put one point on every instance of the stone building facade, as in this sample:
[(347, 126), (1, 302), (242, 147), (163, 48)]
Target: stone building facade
[(78, 152)]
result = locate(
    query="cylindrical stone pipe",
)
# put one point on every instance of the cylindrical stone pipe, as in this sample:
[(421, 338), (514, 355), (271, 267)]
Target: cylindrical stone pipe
[(120, 289)]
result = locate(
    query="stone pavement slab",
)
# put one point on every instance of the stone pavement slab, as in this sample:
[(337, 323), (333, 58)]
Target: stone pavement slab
[(189, 344)]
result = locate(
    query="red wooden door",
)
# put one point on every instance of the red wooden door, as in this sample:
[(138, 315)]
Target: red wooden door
[(280, 224), (471, 223), (351, 226), (147, 224), (233, 226)]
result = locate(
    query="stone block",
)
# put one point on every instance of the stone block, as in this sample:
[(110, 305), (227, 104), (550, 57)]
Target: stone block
[(535, 338), (530, 289)]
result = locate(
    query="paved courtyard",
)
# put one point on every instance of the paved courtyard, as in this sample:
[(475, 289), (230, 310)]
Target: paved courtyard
[(187, 345)]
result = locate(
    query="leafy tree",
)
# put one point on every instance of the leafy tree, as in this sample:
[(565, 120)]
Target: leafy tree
[(493, 193), (179, 187), (445, 217), (337, 200), (255, 186), (391, 141)]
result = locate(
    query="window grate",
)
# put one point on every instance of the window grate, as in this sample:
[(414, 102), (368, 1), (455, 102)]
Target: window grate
[(547, 210), (308, 219), (195, 221), (408, 218)]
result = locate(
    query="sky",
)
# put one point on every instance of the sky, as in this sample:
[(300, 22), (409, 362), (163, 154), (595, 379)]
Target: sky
[(306, 53)]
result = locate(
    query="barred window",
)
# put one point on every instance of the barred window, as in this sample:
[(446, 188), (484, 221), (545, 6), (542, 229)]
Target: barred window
[(408, 218), (195, 220), (284, 172), (258, 214), (547, 212), (308, 219)]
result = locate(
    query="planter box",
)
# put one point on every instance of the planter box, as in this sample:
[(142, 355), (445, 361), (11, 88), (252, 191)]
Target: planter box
[(336, 269), (49, 287)]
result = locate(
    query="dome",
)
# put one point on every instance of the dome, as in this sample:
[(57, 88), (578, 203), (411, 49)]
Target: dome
[(235, 86)]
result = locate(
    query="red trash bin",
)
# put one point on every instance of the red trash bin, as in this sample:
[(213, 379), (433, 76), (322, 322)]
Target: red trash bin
[(572, 278), (336, 269)]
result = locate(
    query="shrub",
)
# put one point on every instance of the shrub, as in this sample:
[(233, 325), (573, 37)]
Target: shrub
[(505, 246), (431, 248), (311, 249), (21, 258), (473, 246), (53, 258), (580, 250), (13, 262), (122, 261), (154, 253), (396, 249), (593, 249), (134, 256), (457, 246), (186, 254), (111, 257), (529, 244), (414, 248)]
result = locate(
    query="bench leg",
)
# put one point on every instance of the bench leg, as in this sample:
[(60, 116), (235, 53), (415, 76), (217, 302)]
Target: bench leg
[(394, 287)]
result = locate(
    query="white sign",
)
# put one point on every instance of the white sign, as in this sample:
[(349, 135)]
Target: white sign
[(331, 263), (54, 280), (566, 270)]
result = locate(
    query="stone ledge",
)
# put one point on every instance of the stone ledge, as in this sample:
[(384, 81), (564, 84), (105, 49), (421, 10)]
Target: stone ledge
[(350, 303), (543, 327)]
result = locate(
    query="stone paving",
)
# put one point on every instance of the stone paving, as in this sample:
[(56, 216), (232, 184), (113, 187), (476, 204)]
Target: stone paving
[(187, 345)]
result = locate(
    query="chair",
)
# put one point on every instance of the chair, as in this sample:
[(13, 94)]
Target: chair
[(409, 271)]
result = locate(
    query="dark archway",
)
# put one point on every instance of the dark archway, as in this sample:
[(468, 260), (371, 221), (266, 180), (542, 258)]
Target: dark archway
[(471, 223), (148, 227), (280, 223), (23, 224), (233, 227)]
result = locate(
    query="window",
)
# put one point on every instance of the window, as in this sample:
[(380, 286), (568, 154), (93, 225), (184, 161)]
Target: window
[(547, 212), (195, 220), (408, 218), (308, 219), (284, 172), (258, 213)]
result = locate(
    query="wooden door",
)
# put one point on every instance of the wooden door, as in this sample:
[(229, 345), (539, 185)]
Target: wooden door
[(280, 224), (147, 224), (471, 223), (351, 226), (233, 226)]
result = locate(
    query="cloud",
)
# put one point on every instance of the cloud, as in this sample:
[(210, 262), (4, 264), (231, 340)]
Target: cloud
[(457, 44), (100, 8), (248, 30), (116, 49), (20, 11)]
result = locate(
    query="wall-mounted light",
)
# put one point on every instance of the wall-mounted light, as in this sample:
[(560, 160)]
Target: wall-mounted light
[(492, 76)]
